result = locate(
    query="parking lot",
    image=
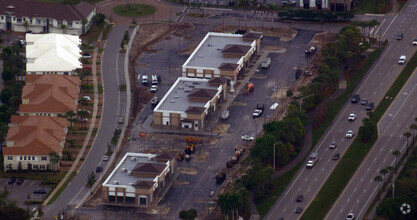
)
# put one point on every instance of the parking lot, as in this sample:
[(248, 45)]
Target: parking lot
[(24, 192), (192, 188)]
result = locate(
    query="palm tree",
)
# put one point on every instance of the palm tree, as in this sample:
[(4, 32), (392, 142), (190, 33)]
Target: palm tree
[(378, 179), (271, 9), (407, 135), (54, 158), (64, 28), (70, 115), (84, 22), (70, 142), (396, 153)]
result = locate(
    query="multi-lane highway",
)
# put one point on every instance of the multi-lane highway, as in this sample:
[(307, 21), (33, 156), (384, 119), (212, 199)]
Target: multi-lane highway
[(307, 182)]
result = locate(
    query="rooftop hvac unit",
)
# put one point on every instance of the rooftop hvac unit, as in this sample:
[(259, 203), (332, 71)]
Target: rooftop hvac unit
[(116, 182), (124, 169), (133, 158), (129, 172), (149, 157), (130, 184)]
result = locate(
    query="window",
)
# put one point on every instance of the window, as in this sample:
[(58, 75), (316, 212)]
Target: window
[(8, 166), (142, 201), (21, 157), (24, 158), (14, 18), (69, 24), (24, 19), (1, 17), (28, 157), (19, 20), (42, 167), (35, 167), (30, 21), (43, 158), (9, 157), (33, 158), (77, 22)]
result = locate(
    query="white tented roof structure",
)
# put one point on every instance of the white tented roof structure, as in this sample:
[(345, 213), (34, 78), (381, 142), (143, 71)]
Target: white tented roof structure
[(52, 53)]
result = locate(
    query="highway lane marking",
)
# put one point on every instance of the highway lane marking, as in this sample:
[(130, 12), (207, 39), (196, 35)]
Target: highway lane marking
[(363, 207), (365, 189), (348, 199), (367, 170), (374, 159), (284, 210), (381, 149), (362, 180), (385, 160), (328, 159), (305, 180), (315, 180), (405, 101), (308, 189), (341, 210), (354, 190), (299, 189), (357, 201), (322, 169)]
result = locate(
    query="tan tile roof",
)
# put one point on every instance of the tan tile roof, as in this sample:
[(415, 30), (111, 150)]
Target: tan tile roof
[(30, 8), (50, 93), (195, 110), (218, 80), (252, 35), (141, 184), (164, 156), (35, 135), (202, 93), (228, 66)]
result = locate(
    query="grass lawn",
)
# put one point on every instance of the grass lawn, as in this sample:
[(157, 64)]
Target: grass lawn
[(134, 10), (355, 154), (371, 6)]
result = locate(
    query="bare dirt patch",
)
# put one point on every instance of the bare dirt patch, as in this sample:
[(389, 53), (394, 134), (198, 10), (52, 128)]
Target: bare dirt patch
[(285, 33)]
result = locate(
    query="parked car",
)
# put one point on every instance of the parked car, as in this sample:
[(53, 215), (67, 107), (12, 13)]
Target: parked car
[(355, 98), (39, 191), (364, 101), (29, 32), (120, 120), (370, 106), (154, 88), (87, 98), (19, 181), (299, 198), (87, 55), (247, 138), (105, 158), (415, 42), (99, 169), (352, 117), (211, 193), (350, 134), (333, 145), (336, 156), (11, 180)]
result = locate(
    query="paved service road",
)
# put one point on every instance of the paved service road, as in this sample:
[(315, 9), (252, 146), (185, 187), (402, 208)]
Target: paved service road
[(309, 181), (110, 63)]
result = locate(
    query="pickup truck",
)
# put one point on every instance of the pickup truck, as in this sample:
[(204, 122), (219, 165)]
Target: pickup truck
[(265, 64), (314, 158), (258, 111)]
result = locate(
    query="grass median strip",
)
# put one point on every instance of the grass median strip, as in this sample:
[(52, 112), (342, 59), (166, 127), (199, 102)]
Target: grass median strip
[(353, 157), (62, 188)]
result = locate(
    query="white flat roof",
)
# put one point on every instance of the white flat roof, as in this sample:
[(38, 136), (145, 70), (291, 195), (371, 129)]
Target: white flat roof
[(176, 99), (52, 53), (209, 52), (121, 174)]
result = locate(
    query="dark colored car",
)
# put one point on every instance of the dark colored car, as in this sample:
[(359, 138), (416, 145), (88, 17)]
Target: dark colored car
[(399, 36), (299, 198), (336, 156), (370, 106), (99, 169), (355, 99), (19, 180), (11, 180), (298, 210), (39, 191)]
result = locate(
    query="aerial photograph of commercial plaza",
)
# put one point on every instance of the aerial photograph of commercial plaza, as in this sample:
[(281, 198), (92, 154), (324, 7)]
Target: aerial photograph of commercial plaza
[(208, 109)]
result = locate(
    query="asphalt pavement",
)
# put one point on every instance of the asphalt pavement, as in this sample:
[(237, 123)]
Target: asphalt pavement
[(111, 63), (362, 189), (374, 86)]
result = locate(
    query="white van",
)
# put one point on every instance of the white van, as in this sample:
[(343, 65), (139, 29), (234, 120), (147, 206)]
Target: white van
[(144, 79), (154, 80)]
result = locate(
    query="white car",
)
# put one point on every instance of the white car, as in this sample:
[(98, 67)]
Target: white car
[(352, 117), (402, 59), (350, 216), (105, 158), (350, 134), (247, 138), (154, 88), (415, 42)]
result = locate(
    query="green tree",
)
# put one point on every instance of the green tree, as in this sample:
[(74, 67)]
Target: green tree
[(378, 179), (84, 23), (407, 135), (6, 75), (70, 115), (66, 155), (5, 96)]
